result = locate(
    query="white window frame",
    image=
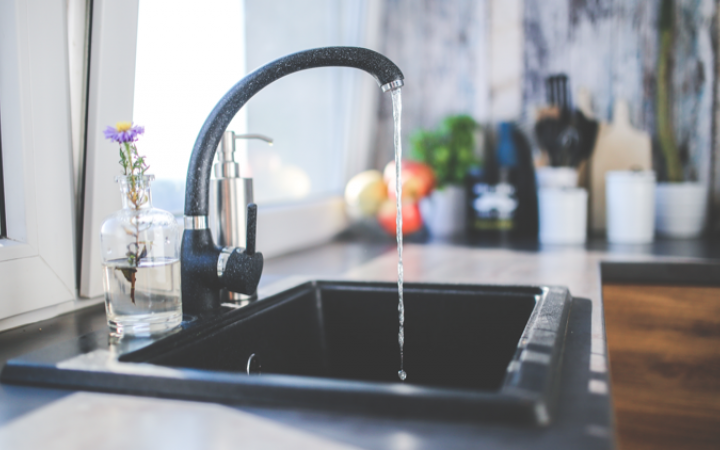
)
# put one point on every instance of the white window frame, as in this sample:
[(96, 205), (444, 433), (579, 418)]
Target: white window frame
[(110, 99), (37, 262), (282, 228)]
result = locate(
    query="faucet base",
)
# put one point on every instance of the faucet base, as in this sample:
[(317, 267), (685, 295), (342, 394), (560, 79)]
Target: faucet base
[(201, 282)]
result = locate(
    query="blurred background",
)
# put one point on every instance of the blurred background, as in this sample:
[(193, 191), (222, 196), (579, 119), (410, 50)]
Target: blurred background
[(542, 68)]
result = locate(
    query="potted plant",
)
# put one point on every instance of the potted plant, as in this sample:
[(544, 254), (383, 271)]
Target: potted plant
[(680, 204), (450, 152)]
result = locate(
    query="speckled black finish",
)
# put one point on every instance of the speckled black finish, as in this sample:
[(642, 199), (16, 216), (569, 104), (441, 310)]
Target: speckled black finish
[(200, 281), (198, 269), (198, 177), (242, 272), (244, 268)]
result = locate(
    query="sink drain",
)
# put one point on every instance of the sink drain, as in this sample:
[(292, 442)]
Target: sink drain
[(253, 365)]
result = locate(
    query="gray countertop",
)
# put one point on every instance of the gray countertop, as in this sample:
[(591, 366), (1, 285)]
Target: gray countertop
[(33, 417)]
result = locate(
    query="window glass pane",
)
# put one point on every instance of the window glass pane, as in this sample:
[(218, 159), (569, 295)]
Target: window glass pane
[(303, 112), (189, 54)]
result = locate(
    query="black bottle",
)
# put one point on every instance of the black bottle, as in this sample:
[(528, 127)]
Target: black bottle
[(502, 197)]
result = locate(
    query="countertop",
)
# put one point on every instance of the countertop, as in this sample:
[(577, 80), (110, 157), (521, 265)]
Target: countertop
[(33, 417)]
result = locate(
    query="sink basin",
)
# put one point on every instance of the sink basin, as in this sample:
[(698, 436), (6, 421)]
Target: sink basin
[(474, 352)]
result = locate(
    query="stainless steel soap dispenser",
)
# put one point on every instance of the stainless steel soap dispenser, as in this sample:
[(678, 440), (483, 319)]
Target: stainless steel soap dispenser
[(230, 195)]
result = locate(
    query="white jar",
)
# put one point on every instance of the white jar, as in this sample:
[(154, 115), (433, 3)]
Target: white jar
[(563, 215), (630, 203)]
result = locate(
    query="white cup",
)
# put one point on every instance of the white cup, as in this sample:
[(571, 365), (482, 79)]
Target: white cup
[(630, 203), (563, 215)]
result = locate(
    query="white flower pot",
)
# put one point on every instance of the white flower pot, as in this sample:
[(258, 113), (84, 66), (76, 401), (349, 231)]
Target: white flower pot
[(444, 211), (680, 209)]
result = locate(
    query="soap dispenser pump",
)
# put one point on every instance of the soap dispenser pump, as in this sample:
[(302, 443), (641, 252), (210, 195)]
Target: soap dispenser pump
[(230, 195)]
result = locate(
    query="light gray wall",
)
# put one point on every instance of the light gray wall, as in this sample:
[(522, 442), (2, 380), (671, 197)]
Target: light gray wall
[(610, 47), (440, 47)]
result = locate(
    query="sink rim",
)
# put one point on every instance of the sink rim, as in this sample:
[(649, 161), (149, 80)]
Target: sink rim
[(528, 392)]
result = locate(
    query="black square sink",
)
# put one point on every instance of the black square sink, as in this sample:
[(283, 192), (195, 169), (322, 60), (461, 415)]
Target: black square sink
[(474, 352)]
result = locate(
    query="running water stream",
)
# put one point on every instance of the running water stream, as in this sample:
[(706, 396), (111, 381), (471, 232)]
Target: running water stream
[(397, 112)]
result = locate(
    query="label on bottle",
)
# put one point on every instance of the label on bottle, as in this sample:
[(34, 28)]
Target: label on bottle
[(493, 207)]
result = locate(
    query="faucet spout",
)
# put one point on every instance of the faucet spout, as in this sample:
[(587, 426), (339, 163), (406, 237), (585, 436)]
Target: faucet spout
[(205, 267)]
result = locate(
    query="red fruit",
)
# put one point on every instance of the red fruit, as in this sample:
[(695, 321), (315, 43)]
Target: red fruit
[(412, 221), (418, 179)]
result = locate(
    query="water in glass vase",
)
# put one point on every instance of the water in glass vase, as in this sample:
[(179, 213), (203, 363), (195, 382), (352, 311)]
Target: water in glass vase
[(142, 300)]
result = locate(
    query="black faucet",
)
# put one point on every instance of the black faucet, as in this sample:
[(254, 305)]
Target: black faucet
[(207, 268)]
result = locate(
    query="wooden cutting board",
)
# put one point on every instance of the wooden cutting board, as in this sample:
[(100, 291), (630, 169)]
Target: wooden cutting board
[(618, 146)]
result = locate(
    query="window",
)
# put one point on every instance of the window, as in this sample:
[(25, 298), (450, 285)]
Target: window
[(176, 59), (37, 264), (180, 76), (305, 112), (45, 164)]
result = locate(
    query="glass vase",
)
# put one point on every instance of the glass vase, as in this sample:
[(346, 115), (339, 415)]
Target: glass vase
[(141, 263)]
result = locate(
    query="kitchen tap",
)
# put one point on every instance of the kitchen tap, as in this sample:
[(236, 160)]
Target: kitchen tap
[(205, 267)]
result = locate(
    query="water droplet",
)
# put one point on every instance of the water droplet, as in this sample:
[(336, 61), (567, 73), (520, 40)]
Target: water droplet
[(402, 375), (167, 240)]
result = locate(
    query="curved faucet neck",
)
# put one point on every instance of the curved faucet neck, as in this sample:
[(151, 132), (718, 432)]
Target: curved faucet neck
[(385, 72)]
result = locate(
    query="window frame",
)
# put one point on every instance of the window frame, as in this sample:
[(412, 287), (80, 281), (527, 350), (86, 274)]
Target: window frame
[(111, 85), (37, 257), (42, 267)]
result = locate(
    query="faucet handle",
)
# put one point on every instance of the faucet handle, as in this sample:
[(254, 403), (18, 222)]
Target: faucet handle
[(240, 271), (251, 229)]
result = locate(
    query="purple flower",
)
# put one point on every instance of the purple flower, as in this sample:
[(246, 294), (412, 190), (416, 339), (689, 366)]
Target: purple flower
[(124, 132)]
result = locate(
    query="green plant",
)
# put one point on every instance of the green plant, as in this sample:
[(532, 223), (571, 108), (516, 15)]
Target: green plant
[(666, 135), (449, 150)]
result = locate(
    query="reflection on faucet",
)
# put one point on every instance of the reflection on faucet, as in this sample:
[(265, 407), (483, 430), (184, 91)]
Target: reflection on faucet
[(207, 268)]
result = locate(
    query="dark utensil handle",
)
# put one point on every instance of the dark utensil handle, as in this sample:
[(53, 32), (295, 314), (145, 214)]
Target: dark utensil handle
[(549, 91), (563, 89)]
